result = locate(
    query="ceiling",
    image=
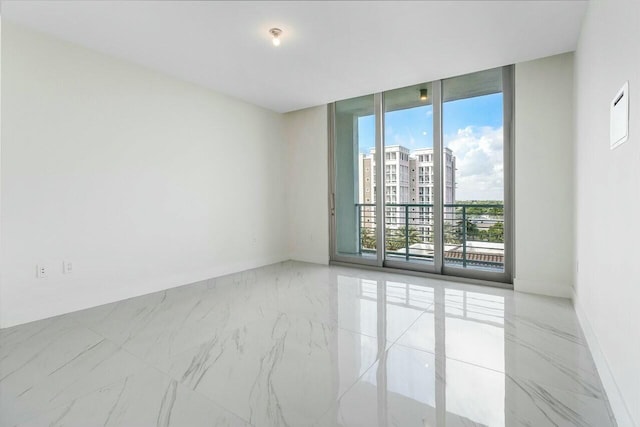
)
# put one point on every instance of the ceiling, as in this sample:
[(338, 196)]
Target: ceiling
[(330, 50)]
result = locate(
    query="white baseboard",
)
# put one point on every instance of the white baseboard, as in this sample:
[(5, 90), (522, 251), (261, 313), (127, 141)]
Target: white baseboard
[(322, 260), (550, 288), (616, 401)]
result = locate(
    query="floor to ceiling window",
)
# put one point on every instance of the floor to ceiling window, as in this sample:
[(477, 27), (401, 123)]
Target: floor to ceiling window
[(408, 147), (421, 177), (353, 202)]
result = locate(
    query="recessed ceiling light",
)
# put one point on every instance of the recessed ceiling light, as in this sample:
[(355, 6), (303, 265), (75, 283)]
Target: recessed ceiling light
[(275, 33)]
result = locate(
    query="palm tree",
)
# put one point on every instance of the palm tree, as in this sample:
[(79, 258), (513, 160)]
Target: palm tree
[(397, 238)]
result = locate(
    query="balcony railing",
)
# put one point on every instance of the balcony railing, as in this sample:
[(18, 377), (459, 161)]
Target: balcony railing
[(473, 234)]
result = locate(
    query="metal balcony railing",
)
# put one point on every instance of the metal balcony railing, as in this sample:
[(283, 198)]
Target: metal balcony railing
[(473, 234)]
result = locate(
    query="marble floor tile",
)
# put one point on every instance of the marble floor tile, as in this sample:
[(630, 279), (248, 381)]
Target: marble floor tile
[(371, 307), (409, 387), (55, 367), (145, 398), (298, 344), (487, 330), (279, 371)]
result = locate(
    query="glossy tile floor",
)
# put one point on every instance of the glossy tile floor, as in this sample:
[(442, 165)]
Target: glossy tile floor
[(297, 344)]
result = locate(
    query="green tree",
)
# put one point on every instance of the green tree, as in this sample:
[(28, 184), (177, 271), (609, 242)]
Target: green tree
[(491, 207), (472, 229), (483, 236), (395, 237), (452, 234), (496, 233), (368, 237)]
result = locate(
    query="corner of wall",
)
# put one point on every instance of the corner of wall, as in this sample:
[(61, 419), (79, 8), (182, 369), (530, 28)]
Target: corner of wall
[(307, 184), (619, 409), (544, 205), (548, 287)]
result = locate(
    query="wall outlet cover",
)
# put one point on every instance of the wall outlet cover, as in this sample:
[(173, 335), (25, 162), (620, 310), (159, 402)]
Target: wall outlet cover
[(41, 271)]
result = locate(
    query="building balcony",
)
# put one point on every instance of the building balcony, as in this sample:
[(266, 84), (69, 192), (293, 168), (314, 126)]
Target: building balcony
[(473, 234)]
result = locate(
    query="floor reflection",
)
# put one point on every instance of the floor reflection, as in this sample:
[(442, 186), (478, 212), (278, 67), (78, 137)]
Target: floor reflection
[(455, 355), (297, 344)]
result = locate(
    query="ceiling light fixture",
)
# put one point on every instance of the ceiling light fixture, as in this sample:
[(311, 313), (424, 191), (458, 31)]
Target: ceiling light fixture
[(275, 33), (423, 94)]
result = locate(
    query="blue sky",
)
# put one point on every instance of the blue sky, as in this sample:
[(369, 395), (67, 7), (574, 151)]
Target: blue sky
[(403, 125), (472, 128)]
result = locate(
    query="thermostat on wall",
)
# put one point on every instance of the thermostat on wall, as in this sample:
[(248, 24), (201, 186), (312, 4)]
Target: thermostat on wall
[(619, 131)]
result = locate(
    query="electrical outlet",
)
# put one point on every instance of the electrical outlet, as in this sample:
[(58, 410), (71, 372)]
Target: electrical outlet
[(41, 271), (67, 267)]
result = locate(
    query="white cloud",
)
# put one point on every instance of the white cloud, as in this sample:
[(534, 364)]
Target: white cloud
[(479, 162)]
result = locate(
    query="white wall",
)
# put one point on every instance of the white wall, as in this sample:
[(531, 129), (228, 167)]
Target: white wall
[(544, 169), (607, 289), (144, 182), (306, 133)]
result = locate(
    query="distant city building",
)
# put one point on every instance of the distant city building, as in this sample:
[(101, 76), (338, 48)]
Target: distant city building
[(408, 179), (408, 176)]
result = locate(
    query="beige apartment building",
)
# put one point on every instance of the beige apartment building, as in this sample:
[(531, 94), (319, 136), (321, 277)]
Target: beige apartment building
[(409, 180)]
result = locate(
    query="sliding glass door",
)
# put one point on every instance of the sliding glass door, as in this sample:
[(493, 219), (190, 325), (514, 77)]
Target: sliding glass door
[(475, 173), (410, 178), (421, 176), (353, 209)]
